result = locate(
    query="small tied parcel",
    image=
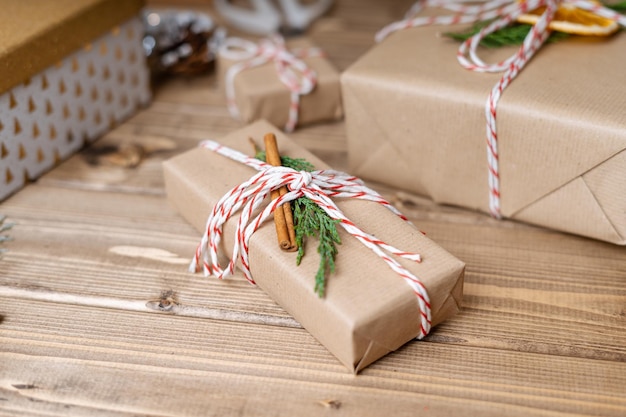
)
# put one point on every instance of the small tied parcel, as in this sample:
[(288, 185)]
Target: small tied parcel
[(288, 83), (369, 309)]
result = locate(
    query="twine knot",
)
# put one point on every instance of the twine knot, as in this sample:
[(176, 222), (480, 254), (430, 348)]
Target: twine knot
[(319, 187), (502, 13), (300, 180), (292, 71)]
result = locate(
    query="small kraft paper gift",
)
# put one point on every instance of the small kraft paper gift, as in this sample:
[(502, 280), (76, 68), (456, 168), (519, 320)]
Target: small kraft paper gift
[(390, 283), (289, 84), (556, 156), (71, 70)]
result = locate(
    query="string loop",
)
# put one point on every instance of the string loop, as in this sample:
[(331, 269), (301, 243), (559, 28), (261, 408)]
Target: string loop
[(292, 71)]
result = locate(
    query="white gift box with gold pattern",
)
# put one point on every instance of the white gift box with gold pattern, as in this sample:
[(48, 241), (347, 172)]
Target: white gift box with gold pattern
[(59, 105)]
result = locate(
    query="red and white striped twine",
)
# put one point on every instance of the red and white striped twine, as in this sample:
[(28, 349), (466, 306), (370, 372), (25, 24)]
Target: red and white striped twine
[(292, 71), (320, 186), (504, 12)]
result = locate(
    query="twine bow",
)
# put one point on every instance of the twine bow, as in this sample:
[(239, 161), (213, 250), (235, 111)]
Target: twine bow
[(292, 71), (320, 186), (504, 12)]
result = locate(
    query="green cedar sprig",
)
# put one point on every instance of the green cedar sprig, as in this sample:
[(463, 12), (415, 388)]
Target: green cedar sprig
[(311, 221), (299, 164), (617, 7), (515, 33)]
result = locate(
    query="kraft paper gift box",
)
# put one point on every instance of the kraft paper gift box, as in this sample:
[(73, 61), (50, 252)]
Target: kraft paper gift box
[(416, 120), (260, 94), (368, 310), (71, 69)]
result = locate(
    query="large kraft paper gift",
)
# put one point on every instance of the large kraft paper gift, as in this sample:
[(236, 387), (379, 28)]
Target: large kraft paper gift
[(416, 120), (254, 89), (368, 310)]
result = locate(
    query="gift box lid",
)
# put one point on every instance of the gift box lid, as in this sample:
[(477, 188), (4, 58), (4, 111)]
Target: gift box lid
[(35, 34)]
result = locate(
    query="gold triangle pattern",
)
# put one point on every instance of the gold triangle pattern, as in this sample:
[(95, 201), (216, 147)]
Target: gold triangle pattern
[(8, 176), (53, 132)]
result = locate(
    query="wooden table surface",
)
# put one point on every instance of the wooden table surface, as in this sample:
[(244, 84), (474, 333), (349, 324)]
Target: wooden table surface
[(99, 316)]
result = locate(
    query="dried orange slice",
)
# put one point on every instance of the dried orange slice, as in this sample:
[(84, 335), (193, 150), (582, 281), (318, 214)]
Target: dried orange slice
[(571, 19)]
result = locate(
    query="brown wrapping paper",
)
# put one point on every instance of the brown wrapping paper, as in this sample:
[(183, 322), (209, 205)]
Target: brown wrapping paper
[(561, 127), (368, 310), (35, 34), (260, 94)]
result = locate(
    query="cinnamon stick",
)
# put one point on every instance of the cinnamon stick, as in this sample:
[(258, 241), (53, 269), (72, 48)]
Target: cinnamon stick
[(283, 216)]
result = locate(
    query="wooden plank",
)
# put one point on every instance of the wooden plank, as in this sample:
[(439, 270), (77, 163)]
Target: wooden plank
[(122, 361), (521, 293)]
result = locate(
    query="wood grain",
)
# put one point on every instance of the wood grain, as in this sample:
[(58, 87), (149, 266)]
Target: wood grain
[(217, 358), (99, 316)]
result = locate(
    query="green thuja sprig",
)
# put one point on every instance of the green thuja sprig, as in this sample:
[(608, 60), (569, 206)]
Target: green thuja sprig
[(515, 33), (299, 164), (311, 221), (618, 7), (511, 35)]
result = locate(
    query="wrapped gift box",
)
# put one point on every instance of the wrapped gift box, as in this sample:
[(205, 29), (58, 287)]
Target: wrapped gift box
[(416, 120), (71, 69), (260, 94), (368, 310)]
